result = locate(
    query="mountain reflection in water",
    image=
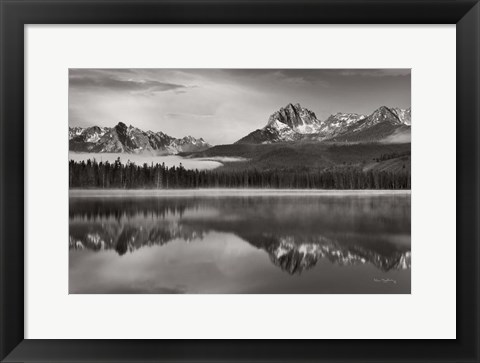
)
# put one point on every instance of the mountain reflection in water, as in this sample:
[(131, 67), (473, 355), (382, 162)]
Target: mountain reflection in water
[(295, 232)]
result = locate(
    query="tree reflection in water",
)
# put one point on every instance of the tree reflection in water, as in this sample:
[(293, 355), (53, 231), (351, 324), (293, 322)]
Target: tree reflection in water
[(296, 232)]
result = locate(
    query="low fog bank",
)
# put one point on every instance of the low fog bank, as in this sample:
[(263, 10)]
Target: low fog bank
[(222, 159), (398, 137), (140, 159)]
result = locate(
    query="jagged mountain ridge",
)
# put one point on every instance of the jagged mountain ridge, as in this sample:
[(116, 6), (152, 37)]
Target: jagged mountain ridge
[(296, 123), (381, 124), (129, 139), (298, 118), (339, 123)]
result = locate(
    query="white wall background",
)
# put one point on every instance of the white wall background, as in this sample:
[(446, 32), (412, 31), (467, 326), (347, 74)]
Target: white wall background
[(429, 312)]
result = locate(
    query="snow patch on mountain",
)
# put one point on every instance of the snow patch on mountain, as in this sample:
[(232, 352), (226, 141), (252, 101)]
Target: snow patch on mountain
[(404, 115), (338, 123)]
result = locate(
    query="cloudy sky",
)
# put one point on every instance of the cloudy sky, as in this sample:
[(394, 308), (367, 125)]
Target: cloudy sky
[(223, 105)]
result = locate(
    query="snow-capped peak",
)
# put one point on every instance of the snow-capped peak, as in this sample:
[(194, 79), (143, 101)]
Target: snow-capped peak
[(298, 118)]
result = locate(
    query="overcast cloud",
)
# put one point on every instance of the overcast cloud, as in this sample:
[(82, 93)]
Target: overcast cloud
[(223, 105)]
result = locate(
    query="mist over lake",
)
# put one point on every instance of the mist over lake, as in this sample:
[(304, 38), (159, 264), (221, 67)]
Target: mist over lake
[(142, 158)]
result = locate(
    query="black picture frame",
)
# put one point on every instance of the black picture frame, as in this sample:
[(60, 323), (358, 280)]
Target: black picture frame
[(15, 14)]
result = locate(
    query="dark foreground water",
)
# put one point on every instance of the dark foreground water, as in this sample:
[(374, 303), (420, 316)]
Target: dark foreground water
[(279, 243)]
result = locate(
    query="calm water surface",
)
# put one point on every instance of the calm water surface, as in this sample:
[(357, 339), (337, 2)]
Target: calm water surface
[(245, 243)]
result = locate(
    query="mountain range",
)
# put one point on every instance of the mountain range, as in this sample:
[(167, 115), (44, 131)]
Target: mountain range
[(128, 139), (289, 124), (296, 123)]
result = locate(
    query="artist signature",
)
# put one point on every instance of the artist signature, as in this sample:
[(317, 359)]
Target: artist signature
[(385, 281)]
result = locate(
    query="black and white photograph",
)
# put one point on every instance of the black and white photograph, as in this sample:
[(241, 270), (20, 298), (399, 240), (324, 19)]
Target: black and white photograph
[(239, 181)]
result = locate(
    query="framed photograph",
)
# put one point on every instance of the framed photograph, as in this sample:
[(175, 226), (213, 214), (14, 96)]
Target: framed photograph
[(240, 181)]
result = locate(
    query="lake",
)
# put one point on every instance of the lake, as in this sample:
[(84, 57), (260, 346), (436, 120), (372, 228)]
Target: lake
[(239, 241)]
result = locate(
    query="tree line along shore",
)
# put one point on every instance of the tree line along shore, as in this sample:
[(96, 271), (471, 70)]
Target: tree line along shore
[(91, 174)]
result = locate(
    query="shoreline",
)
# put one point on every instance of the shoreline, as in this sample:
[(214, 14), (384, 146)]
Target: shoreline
[(79, 193)]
